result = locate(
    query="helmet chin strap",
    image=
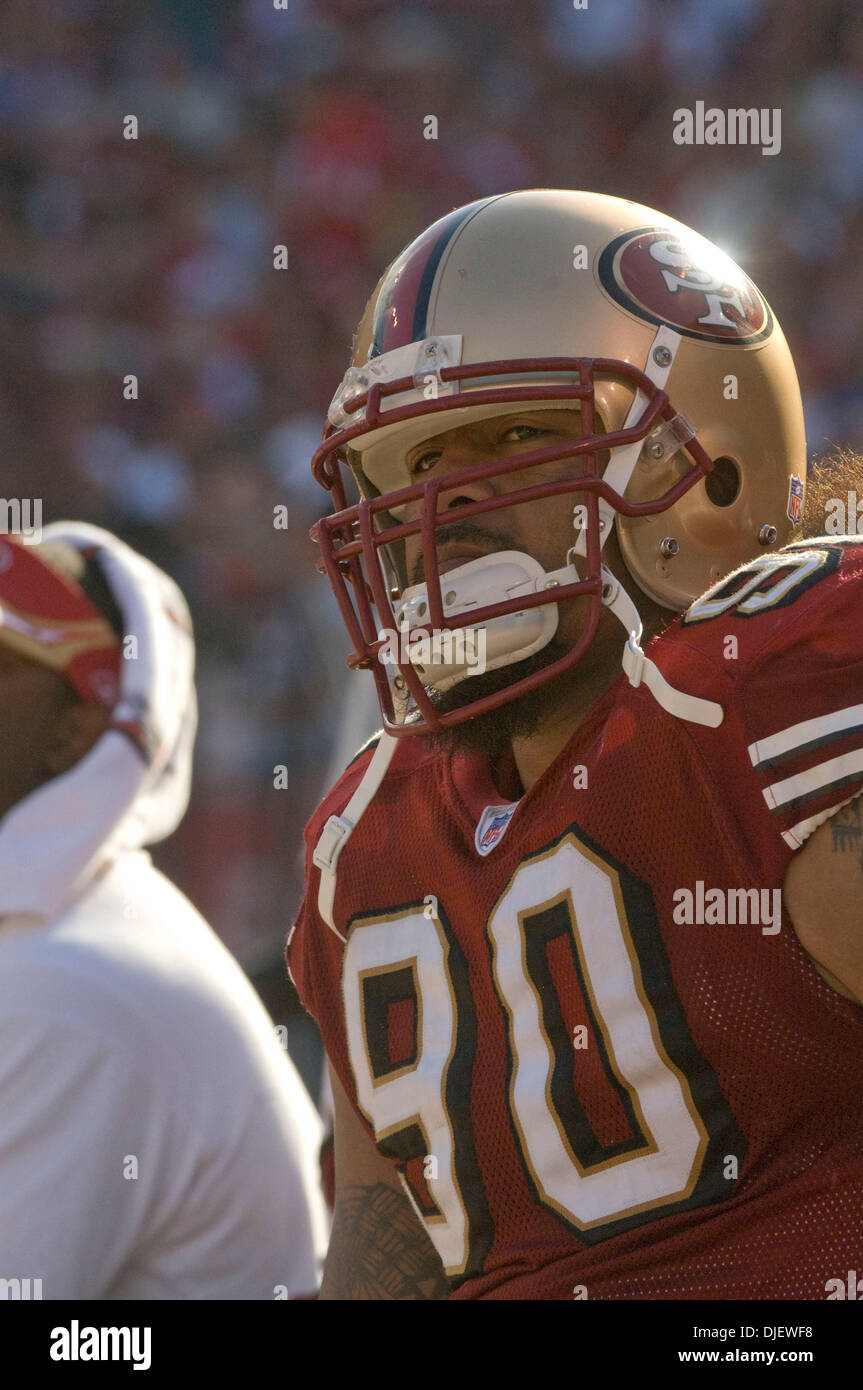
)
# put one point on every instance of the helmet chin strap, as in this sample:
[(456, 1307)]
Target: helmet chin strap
[(510, 574), (638, 667), (641, 670), (621, 465)]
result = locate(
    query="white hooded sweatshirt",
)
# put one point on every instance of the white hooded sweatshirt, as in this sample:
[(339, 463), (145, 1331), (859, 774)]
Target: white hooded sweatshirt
[(156, 1142)]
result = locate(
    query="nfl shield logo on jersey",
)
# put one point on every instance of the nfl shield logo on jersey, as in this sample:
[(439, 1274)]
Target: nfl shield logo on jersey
[(795, 499), (492, 824)]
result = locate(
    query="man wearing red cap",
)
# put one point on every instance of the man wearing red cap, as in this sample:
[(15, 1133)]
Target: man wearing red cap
[(59, 663), (155, 1141)]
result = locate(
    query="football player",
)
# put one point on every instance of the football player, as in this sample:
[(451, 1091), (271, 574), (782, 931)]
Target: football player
[(581, 927)]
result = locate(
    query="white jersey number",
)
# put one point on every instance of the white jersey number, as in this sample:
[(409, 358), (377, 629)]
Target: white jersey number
[(419, 1108)]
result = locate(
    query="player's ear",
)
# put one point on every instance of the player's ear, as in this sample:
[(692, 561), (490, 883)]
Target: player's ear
[(77, 727)]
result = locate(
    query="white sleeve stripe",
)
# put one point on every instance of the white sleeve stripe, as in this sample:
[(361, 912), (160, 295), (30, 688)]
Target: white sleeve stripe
[(806, 732), (337, 830), (805, 783), (803, 829)]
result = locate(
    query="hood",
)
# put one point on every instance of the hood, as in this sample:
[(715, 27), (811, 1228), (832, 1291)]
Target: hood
[(132, 788)]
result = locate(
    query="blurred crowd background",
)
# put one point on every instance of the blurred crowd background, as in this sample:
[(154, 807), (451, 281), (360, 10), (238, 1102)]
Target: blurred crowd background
[(303, 126)]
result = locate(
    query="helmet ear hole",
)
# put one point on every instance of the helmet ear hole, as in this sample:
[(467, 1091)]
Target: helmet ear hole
[(723, 484)]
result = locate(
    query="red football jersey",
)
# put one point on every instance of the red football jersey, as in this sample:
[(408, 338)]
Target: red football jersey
[(580, 1022)]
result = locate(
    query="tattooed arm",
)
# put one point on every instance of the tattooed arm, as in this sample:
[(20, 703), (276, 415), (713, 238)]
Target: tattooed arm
[(378, 1247), (823, 894)]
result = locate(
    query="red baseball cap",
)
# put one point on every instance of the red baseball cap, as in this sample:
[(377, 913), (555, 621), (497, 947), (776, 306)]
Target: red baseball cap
[(47, 616)]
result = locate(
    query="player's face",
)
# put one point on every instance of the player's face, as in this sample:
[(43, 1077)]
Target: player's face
[(44, 727), (542, 528), (31, 697)]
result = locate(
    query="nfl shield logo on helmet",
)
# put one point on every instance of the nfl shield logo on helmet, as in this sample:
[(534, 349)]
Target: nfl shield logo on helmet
[(795, 499)]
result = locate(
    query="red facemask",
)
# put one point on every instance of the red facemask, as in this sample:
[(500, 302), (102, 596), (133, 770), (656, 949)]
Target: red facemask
[(358, 541)]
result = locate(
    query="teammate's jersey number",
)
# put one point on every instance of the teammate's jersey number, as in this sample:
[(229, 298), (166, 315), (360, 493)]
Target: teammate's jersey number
[(681, 1132), (771, 581)]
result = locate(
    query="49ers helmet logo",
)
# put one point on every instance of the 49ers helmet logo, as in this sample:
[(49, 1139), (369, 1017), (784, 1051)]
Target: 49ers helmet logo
[(684, 282)]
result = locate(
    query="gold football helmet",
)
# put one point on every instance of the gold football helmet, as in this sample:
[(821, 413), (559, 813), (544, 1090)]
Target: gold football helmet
[(684, 385)]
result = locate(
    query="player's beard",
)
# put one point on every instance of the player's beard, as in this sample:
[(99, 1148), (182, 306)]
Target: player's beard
[(492, 734)]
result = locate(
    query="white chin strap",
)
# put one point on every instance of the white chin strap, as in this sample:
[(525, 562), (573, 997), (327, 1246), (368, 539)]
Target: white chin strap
[(638, 667), (450, 657), (621, 466), (642, 671)]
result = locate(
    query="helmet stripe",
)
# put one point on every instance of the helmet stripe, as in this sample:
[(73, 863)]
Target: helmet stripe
[(403, 303)]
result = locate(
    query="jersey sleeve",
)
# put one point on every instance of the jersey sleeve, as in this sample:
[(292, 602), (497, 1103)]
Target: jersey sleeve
[(314, 949), (801, 698), (314, 956), (313, 952)]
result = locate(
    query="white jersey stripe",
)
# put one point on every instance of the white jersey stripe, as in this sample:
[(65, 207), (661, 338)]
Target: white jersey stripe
[(800, 832), (804, 783), (808, 731)]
